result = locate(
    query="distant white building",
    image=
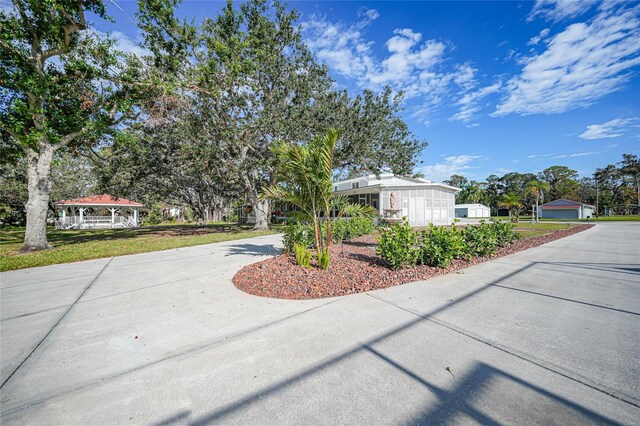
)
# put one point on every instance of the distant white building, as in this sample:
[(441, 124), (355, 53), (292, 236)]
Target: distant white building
[(419, 200), (565, 209), (473, 211)]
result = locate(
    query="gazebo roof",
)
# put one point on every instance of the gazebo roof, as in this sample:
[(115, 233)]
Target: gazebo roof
[(98, 200)]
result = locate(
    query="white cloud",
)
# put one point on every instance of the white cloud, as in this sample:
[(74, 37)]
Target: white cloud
[(557, 10), (126, 45), (452, 165), (580, 65), (577, 154), (7, 7), (469, 107), (502, 171), (541, 36), (611, 129), (415, 66)]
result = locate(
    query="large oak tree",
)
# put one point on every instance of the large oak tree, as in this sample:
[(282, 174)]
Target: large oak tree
[(63, 86)]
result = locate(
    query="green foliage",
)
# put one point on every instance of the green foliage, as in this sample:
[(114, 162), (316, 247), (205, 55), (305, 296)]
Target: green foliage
[(297, 233), (341, 230), (440, 245), (324, 259), (305, 172), (302, 254), (154, 217), (480, 240), (504, 232), (398, 246), (349, 228)]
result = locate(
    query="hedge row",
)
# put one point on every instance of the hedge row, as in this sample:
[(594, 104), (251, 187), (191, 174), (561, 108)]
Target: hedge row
[(400, 246)]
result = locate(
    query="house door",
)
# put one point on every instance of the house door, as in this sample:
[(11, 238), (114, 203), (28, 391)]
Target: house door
[(405, 209), (418, 215)]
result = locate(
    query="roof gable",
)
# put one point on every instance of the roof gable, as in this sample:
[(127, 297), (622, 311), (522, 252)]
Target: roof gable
[(563, 202), (99, 200)]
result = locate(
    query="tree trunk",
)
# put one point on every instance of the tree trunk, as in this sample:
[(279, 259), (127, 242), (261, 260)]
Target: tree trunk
[(39, 185), (261, 210)]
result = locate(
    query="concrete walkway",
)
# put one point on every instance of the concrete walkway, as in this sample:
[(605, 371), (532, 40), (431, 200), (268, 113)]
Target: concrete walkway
[(550, 335)]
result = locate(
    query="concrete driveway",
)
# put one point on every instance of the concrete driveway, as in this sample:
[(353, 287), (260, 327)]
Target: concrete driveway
[(550, 335)]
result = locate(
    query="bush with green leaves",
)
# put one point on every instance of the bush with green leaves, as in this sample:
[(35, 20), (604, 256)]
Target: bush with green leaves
[(398, 246), (481, 240), (154, 217), (504, 232), (440, 245), (324, 258), (297, 233), (349, 228), (302, 254)]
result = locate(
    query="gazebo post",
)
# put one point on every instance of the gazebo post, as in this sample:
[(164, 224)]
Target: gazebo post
[(113, 216), (81, 210), (135, 216)]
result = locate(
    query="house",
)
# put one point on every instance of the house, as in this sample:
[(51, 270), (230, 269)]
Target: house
[(419, 200), (472, 210), (565, 209)]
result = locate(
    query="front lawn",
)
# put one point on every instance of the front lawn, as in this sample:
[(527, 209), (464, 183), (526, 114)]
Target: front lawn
[(593, 219), (528, 229), (76, 245)]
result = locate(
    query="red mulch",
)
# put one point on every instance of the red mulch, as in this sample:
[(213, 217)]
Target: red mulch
[(356, 270)]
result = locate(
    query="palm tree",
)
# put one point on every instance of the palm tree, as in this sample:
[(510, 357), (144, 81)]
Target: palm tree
[(537, 189), (305, 173), (511, 202)]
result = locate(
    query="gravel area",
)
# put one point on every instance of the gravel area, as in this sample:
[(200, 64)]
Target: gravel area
[(355, 269)]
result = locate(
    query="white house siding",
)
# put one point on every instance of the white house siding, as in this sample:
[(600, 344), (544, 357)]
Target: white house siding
[(422, 206), (472, 211)]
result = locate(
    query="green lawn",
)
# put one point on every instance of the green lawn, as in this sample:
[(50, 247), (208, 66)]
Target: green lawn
[(593, 219), (76, 245), (528, 229)]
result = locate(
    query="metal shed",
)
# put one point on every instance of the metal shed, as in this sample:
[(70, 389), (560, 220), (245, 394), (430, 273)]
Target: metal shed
[(473, 211), (565, 209)]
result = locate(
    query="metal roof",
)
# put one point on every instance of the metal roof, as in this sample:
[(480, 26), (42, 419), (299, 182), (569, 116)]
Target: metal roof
[(98, 200)]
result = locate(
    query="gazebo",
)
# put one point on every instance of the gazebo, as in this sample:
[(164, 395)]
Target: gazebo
[(97, 211)]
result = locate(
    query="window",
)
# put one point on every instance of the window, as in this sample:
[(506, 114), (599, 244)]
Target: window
[(355, 185)]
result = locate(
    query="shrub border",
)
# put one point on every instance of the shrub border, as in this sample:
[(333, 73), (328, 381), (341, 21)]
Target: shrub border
[(241, 278)]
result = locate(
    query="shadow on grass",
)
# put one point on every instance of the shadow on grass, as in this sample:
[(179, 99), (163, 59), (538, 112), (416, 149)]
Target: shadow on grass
[(78, 236)]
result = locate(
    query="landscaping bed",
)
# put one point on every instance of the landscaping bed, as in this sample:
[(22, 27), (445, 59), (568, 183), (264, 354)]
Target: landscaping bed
[(357, 270)]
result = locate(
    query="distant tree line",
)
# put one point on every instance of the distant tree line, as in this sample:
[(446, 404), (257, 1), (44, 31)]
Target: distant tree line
[(614, 185)]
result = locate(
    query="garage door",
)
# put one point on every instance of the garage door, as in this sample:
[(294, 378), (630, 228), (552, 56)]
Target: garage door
[(560, 214)]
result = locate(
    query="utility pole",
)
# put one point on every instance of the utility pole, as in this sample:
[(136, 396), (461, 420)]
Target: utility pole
[(597, 196)]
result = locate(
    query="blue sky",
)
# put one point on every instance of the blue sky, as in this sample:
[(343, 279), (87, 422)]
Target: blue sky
[(493, 86)]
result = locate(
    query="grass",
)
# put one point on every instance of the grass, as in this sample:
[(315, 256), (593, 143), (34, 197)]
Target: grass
[(528, 229), (593, 219), (76, 245)]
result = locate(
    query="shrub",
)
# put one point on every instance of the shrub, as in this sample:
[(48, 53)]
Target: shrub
[(397, 246), (440, 245), (481, 240), (303, 255), (347, 229), (297, 233), (154, 217), (324, 258), (504, 232)]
